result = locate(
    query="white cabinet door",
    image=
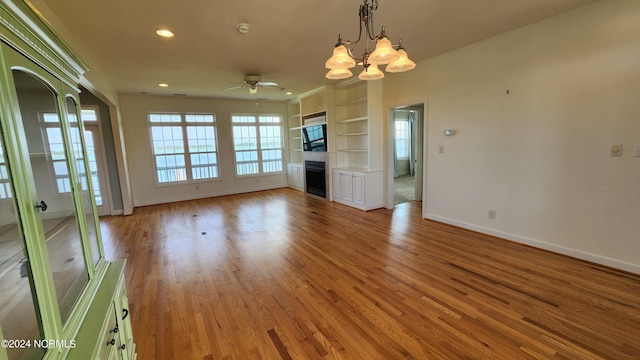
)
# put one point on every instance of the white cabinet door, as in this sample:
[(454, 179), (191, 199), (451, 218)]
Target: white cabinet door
[(337, 186), (357, 185), (295, 176), (347, 187), (342, 186)]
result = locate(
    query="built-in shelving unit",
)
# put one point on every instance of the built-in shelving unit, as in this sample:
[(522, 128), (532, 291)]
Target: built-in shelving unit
[(358, 125), (357, 179), (294, 125)]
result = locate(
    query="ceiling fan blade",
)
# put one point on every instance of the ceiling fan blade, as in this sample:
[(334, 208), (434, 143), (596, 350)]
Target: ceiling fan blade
[(267, 83), (275, 86), (233, 88)]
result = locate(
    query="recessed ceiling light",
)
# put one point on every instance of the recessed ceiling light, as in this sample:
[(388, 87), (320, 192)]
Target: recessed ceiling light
[(165, 33), (163, 85), (243, 28), (289, 93)]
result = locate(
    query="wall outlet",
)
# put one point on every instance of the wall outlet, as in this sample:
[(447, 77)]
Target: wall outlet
[(636, 150), (492, 214)]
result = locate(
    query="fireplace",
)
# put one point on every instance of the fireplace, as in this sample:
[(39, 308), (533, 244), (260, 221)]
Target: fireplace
[(315, 178)]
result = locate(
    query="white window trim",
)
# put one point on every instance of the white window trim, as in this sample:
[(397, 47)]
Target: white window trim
[(406, 140), (183, 125), (259, 149)]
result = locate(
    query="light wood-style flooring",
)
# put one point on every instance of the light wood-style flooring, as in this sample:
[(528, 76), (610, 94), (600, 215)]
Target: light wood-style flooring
[(279, 275)]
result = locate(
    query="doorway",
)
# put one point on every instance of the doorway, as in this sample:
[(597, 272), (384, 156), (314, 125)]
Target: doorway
[(97, 163), (406, 153)]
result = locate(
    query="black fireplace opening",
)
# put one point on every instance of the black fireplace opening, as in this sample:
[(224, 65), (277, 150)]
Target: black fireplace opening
[(314, 172)]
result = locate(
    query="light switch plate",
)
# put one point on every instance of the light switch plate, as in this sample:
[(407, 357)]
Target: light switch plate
[(636, 150), (616, 150)]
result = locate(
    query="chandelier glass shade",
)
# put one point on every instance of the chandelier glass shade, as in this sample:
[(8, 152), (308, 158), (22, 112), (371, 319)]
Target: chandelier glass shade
[(338, 74), (384, 52), (371, 72), (402, 63)]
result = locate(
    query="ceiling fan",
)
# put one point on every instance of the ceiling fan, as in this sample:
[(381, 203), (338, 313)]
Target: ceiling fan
[(253, 82)]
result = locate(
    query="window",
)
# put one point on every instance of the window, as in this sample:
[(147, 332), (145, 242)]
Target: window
[(402, 139), (57, 151), (257, 142), (184, 146), (90, 119)]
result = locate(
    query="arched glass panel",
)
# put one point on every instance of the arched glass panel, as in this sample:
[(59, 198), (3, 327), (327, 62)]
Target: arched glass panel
[(19, 318), (54, 188)]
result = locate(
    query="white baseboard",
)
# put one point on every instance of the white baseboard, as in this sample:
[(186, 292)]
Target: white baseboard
[(209, 195), (579, 254)]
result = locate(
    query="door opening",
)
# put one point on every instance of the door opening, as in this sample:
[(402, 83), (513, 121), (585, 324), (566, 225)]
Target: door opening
[(406, 165)]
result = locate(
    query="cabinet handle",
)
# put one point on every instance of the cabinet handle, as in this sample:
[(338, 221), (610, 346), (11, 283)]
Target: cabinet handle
[(115, 330), (126, 313), (112, 342), (42, 206), (122, 347)]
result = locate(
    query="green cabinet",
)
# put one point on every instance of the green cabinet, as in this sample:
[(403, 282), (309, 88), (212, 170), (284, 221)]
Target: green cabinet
[(54, 279)]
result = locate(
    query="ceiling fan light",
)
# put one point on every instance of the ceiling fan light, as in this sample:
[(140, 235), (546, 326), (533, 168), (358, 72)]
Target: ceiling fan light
[(340, 59), (371, 73), (401, 64), (338, 74), (384, 52), (253, 90)]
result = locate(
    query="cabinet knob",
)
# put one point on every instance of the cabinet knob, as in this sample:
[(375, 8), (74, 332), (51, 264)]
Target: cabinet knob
[(122, 347), (42, 206), (112, 342)]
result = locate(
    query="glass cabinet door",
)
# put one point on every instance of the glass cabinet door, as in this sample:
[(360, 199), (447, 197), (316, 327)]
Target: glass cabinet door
[(85, 178), (19, 318), (54, 185)]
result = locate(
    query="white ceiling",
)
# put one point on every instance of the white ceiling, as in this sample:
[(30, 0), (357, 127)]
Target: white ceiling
[(288, 42)]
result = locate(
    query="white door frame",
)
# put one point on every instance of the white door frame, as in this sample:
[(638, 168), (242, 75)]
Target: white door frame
[(101, 159), (420, 153)]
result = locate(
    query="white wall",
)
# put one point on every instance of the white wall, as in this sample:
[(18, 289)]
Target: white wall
[(134, 110), (539, 155)]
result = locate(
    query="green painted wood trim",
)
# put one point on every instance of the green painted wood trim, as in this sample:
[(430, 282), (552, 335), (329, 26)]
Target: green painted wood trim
[(3, 351), (90, 330), (36, 36), (18, 159)]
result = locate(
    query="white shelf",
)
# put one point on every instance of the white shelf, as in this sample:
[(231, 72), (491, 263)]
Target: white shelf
[(353, 102), (362, 118), (314, 114), (295, 128), (353, 150), (353, 134)]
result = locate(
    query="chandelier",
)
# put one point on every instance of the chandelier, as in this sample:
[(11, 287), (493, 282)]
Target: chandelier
[(384, 53)]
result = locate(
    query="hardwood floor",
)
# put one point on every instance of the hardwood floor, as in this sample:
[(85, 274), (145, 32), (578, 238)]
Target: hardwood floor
[(279, 275)]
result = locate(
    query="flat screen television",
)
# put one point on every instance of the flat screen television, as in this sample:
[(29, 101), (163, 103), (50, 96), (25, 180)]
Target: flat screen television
[(314, 138)]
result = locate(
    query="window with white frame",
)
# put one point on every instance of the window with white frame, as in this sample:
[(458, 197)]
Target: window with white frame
[(402, 139), (257, 142), (184, 146), (57, 152), (90, 117)]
